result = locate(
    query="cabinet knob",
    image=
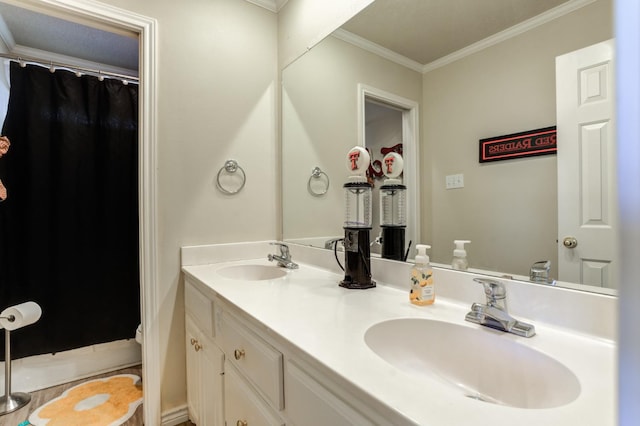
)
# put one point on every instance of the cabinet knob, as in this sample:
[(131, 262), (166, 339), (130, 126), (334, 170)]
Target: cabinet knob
[(197, 346), (193, 341), (238, 354), (242, 423)]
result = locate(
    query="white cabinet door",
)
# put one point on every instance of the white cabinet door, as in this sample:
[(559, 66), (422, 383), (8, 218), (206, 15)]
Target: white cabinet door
[(205, 363), (193, 371), (212, 385)]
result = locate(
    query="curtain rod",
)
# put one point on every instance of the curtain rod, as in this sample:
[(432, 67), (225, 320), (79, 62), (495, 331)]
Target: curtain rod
[(97, 73)]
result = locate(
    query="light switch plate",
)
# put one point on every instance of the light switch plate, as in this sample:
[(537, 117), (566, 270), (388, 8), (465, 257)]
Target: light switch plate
[(454, 181)]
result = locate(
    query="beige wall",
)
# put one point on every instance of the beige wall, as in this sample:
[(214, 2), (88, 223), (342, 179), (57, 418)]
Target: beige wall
[(217, 89), (320, 98), (303, 23), (507, 208)]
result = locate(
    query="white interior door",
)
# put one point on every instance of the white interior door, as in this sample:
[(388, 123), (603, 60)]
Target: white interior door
[(587, 195)]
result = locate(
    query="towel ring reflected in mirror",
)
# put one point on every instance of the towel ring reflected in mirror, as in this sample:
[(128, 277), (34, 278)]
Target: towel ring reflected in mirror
[(231, 167), (318, 175)]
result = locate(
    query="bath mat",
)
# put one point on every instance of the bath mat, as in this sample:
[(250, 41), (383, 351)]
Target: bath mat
[(109, 401)]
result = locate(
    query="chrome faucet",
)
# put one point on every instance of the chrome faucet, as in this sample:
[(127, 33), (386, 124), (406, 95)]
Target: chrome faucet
[(539, 273), (284, 259), (332, 241), (494, 313)]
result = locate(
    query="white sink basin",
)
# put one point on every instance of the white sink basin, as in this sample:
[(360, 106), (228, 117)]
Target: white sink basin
[(482, 364), (252, 272)]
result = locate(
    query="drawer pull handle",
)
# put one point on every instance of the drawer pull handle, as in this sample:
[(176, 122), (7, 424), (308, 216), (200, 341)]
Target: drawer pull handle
[(197, 346), (238, 354), (242, 423)]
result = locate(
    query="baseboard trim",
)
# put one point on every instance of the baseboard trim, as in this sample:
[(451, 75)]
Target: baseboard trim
[(42, 371), (175, 416)]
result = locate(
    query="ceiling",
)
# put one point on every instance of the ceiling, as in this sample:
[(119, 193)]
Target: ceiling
[(421, 30), (32, 34), (427, 30)]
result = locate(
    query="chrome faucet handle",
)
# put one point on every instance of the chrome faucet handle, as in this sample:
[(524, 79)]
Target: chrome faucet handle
[(284, 249), (284, 259), (494, 290), (539, 273), (494, 314)]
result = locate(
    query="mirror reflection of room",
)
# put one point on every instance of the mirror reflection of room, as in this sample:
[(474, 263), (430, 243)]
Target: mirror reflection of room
[(469, 86)]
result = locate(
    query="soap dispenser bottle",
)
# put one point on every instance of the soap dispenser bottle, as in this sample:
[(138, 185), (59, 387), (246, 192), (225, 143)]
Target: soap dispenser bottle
[(422, 289), (459, 261)]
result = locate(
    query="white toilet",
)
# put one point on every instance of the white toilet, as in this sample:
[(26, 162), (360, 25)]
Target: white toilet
[(139, 334)]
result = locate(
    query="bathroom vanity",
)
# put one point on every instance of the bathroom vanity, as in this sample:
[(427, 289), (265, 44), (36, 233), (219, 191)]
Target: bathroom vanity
[(275, 346)]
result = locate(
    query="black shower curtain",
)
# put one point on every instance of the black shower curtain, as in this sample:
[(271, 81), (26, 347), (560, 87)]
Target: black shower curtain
[(69, 226)]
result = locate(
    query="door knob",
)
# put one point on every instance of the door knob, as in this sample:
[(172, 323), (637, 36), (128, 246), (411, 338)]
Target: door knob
[(570, 242)]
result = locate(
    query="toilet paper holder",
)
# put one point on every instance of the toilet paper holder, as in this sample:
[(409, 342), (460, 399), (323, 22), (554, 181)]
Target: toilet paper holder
[(16, 400), (10, 401)]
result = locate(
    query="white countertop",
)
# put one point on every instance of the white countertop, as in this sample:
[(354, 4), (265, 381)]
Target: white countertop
[(310, 311)]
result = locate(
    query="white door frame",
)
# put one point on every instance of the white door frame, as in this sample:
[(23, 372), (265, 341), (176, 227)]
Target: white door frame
[(410, 139), (107, 17)]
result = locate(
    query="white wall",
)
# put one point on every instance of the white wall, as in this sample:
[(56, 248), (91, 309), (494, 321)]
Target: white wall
[(319, 106), (508, 209), (303, 23), (217, 91)]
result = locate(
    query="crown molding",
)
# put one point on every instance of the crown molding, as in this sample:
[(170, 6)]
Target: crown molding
[(7, 43), (536, 21), (272, 5), (511, 32), (91, 18), (376, 49)]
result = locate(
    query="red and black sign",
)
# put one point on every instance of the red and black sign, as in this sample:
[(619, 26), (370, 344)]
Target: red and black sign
[(518, 145)]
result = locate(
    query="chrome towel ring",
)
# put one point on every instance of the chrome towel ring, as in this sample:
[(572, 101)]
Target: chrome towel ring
[(231, 167), (317, 175)]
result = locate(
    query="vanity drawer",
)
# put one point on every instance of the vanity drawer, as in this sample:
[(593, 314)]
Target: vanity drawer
[(255, 358), (199, 307)]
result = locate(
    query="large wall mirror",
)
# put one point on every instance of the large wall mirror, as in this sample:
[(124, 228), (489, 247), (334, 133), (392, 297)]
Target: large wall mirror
[(474, 70)]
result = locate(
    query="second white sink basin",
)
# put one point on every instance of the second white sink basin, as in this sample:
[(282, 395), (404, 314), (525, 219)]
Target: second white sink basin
[(252, 272), (483, 365)]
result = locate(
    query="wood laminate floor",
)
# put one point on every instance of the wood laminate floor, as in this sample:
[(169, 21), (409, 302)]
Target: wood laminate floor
[(42, 396)]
